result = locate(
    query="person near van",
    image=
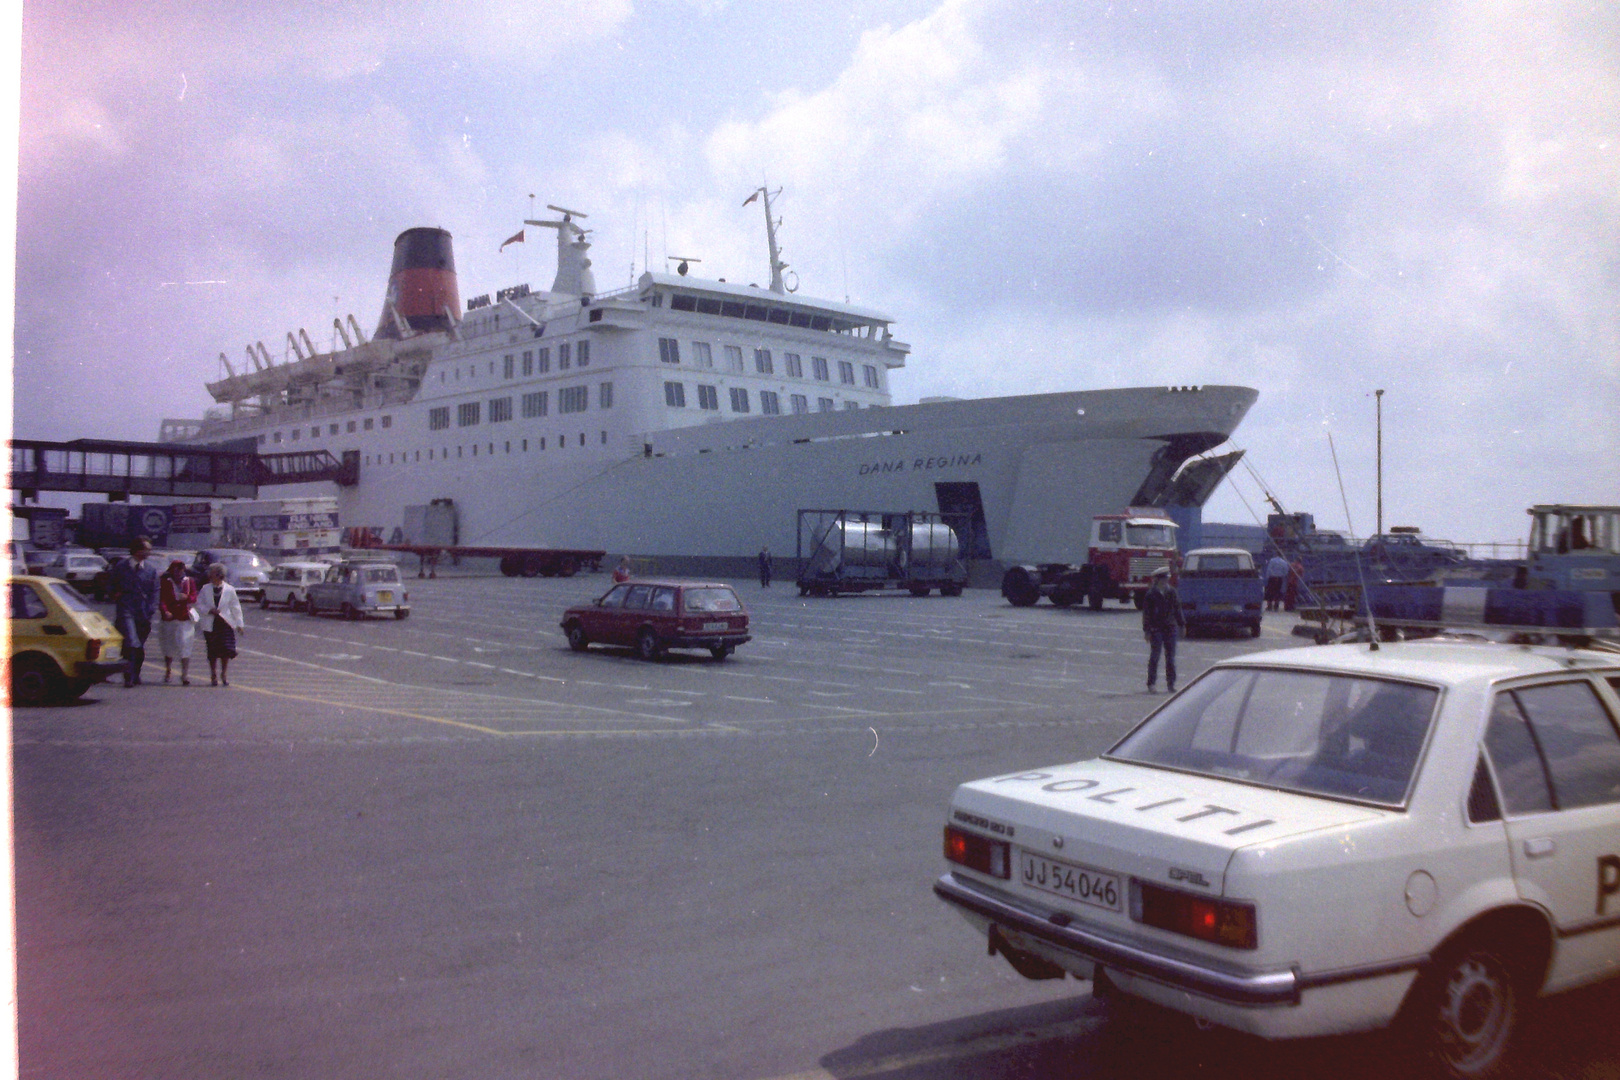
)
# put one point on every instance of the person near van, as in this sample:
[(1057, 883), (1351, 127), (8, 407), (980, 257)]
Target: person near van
[(765, 567), (134, 588), (177, 628), (221, 615), (622, 572), (1276, 574), (1161, 620)]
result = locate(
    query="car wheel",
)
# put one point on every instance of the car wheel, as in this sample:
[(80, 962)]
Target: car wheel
[(1139, 598), (1467, 1012), (647, 645), (919, 590), (402, 613), (33, 680), (349, 612), (720, 652), (950, 590), (576, 637), (1095, 600), (310, 608), (1254, 629), (264, 601), (74, 689)]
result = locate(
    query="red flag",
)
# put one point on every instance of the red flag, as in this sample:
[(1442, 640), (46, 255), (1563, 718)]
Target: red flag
[(514, 239), (751, 198)]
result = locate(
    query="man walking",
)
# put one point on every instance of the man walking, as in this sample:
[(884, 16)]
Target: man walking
[(1161, 620), (765, 567), (1276, 574), (134, 588)]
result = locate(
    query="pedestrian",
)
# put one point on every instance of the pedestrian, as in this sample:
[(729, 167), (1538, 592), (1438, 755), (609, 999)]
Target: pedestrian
[(1296, 579), (221, 621), (765, 567), (134, 588), (177, 629), (1276, 574), (1161, 619), (622, 571)]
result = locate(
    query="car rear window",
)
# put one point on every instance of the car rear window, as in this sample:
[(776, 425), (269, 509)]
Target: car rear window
[(1304, 731), (1216, 562), (70, 597), (382, 574), (713, 598)]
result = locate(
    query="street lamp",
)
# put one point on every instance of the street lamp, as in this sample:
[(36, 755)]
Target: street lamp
[(1378, 396)]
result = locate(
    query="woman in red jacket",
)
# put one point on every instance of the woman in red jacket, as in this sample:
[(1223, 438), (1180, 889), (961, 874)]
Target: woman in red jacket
[(177, 630)]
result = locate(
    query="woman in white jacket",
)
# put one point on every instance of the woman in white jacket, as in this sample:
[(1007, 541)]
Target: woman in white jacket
[(222, 620)]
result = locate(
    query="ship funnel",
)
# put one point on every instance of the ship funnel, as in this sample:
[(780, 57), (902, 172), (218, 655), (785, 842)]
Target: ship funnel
[(422, 285)]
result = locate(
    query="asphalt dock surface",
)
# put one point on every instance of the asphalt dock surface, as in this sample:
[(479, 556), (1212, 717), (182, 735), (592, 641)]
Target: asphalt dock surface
[(449, 847)]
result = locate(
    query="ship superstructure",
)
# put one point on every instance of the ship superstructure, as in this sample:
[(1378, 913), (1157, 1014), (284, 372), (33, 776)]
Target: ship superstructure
[(689, 419)]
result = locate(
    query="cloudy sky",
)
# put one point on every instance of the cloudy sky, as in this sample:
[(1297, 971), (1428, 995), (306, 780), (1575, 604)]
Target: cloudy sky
[(1315, 199)]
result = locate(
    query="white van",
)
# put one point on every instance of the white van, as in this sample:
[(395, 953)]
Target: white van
[(286, 584)]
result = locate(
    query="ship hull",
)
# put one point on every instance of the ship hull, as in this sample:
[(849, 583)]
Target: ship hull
[(1022, 475)]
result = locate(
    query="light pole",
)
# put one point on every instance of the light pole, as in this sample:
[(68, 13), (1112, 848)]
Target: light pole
[(1378, 396)]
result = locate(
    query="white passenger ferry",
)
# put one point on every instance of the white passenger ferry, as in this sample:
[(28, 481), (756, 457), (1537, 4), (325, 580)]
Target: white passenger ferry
[(687, 421)]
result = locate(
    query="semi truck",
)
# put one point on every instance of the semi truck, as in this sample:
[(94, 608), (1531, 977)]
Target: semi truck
[(1125, 550)]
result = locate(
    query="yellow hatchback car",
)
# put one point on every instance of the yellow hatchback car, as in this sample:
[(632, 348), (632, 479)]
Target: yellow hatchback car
[(57, 644)]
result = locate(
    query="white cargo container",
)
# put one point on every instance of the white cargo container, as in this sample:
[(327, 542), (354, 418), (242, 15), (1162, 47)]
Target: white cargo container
[(282, 528)]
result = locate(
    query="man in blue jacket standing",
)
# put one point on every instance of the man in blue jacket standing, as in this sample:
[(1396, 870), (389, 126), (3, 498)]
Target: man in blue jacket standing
[(1161, 620), (134, 588)]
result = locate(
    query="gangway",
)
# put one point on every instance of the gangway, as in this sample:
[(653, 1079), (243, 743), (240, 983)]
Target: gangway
[(121, 469)]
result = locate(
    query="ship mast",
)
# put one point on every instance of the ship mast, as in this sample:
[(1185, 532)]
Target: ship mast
[(777, 265)]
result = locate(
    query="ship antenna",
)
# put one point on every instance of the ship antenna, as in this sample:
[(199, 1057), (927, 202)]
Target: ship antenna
[(1361, 573), (777, 265)]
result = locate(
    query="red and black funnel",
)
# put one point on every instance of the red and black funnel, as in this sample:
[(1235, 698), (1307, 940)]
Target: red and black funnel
[(422, 284)]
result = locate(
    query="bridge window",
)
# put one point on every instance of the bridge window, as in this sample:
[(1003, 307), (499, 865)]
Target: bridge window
[(500, 410), (734, 359), (769, 403), (669, 350), (739, 399), (467, 414), (296, 432), (508, 362), (388, 421), (276, 438), (544, 360), (800, 403), (564, 360), (846, 373), (709, 398), (604, 395), (702, 355), (762, 362), (818, 366), (438, 418), (582, 353), (675, 395), (528, 362), (350, 427), (872, 379), (824, 404), (795, 366), (315, 432), (367, 423), (535, 404)]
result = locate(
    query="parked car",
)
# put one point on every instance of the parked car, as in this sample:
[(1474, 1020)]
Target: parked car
[(358, 589), (84, 570), (288, 584), (245, 570), (1220, 589), (1325, 840), (57, 645), (655, 616)]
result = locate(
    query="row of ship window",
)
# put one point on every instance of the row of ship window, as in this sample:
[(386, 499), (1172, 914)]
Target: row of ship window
[(523, 446), (770, 402), (533, 361), (570, 399), (669, 351), (294, 434)]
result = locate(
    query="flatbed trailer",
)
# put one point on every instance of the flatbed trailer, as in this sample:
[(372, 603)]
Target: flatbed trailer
[(514, 562)]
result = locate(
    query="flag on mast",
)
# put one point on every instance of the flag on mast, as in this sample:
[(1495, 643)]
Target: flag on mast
[(516, 238), (752, 197)]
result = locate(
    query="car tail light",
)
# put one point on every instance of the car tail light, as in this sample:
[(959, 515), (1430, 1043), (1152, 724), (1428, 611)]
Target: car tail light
[(978, 852), (92, 649), (1221, 922)]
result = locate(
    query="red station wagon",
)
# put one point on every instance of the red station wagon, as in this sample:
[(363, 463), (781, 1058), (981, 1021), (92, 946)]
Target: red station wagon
[(654, 616)]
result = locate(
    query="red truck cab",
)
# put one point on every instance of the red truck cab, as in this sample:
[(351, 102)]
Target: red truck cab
[(1125, 551)]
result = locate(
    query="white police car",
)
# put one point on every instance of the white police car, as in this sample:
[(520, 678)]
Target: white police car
[(1324, 840)]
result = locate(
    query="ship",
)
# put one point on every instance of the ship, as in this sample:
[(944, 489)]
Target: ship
[(685, 422)]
